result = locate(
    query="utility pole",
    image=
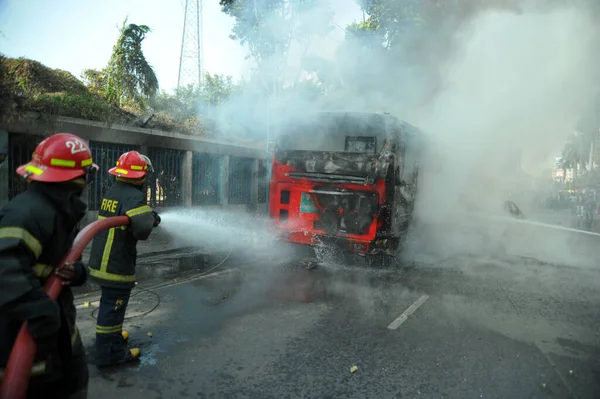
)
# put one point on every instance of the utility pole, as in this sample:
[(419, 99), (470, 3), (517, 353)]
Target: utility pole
[(191, 57)]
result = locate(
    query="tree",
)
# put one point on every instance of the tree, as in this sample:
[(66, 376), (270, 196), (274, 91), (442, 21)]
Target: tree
[(130, 79), (95, 80), (397, 18), (388, 19), (192, 101), (181, 104), (270, 27), (217, 89)]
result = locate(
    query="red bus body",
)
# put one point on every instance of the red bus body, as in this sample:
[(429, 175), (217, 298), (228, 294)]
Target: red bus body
[(345, 180)]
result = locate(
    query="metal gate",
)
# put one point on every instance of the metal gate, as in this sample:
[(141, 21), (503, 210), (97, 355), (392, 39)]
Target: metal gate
[(262, 181), (164, 185), (206, 178), (20, 151), (240, 180), (105, 155)]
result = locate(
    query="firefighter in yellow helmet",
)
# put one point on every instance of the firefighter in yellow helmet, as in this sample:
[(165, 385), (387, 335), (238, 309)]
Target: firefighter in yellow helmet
[(113, 256)]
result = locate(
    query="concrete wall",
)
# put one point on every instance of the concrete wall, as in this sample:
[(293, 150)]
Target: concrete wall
[(4, 172), (100, 131)]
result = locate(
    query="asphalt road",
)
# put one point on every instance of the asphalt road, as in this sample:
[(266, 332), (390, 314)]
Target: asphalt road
[(476, 327)]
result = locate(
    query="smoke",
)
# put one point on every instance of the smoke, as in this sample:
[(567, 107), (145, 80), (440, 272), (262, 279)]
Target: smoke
[(496, 88), (513, 90)]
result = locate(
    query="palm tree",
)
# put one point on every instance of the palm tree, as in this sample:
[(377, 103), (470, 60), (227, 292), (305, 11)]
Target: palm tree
[(130, 78)]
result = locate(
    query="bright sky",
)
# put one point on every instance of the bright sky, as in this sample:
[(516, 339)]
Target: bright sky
[(75, 35)]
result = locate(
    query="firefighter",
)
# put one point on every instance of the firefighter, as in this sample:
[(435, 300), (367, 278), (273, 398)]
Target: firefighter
[(37, 228), (113, 256)]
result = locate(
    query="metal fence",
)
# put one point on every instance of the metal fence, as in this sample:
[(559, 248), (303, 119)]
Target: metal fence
[(21, 149), (164, 185), (240, 180), (262, 181), (206, 178), (105, 155)]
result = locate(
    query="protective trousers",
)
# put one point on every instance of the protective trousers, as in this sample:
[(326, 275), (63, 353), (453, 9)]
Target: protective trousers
[(110, 348)]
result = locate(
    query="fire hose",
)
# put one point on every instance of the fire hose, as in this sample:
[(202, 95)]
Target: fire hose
[(17, 373)]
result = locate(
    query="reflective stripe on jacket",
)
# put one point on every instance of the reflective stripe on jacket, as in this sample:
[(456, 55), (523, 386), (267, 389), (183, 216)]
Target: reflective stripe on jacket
[(37, 228), (113, 255)]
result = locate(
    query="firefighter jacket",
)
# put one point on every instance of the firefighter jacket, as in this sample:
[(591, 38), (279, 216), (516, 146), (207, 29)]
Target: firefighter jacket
[(113, 255), (37, 228)]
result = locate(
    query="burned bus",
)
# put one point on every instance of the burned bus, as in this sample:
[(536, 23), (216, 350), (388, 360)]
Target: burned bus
[(345, 180)]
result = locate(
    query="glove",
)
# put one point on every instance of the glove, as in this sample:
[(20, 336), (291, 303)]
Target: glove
[(156, 218), (41, 312)]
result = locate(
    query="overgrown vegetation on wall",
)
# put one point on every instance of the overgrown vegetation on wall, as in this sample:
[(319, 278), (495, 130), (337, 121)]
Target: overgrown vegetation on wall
[(125, 91), (29, 86)]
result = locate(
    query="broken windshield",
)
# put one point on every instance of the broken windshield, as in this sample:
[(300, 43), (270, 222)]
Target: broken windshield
[(336, 132)]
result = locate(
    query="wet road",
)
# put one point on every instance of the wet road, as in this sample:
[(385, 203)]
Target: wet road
[(458, 328)]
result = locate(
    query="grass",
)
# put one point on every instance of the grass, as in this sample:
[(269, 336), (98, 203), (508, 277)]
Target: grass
[(27, 85)]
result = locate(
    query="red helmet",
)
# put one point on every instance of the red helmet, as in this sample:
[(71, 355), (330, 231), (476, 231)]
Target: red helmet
[(59, 158), (132, 165)]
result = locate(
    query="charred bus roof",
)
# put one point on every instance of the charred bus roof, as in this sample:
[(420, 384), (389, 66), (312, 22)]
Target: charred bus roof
[(339, 131)]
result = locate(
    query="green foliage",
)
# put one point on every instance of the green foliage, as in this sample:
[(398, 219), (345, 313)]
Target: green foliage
[(72, 105), (163, 120), (190, 101), (27, 85), (188, 107), (258, 25), (130, 79), (8, 96), (389, 19), (95, 81), (30, 78), (217, 89), (181, 104), (394, 19)]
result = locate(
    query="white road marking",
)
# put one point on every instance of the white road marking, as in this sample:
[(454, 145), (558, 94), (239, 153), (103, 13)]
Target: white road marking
[(410, 310)]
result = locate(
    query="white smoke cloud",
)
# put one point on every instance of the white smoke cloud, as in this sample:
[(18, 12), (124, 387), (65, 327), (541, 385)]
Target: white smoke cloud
[(496, 91)]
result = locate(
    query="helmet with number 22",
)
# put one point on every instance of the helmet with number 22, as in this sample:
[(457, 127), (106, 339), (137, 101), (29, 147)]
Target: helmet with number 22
[(60, 158)]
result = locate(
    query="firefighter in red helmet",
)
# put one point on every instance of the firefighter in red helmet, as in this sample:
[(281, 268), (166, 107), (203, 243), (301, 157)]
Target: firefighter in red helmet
[(37, 228), (113, 256)]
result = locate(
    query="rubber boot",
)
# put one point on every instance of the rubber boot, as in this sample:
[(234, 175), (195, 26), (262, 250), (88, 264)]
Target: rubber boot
[(133, 354)]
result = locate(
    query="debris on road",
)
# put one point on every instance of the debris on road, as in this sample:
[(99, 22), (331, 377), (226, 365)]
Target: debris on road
[(149, 334), (125, 335), (86, 304), (353, 369)]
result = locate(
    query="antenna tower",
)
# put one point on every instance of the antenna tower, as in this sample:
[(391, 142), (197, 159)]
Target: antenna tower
[(192, 51)]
